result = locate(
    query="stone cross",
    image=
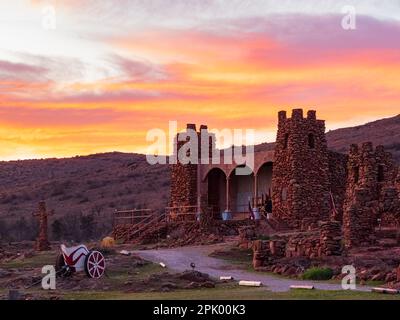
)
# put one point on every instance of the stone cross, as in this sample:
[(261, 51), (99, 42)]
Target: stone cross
[(42, 242)]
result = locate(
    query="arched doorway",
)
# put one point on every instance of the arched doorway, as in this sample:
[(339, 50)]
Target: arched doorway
[(263, 183), (216, 184), (241, 191)]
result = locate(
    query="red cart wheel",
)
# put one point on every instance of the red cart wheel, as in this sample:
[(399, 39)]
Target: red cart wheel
[(95, 264)]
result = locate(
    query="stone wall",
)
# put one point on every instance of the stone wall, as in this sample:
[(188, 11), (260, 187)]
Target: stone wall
[(326, 241), (301, 169), (322, 242), (397, 182), (370, 193)]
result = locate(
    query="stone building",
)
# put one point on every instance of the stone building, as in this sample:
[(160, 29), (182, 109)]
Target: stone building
[(307, 182), (216, 186)]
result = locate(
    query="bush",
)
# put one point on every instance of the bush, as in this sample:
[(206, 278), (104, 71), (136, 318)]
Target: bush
[(318, 274)]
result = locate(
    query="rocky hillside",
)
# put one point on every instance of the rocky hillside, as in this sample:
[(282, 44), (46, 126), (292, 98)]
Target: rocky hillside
[(85, 191), (385, 132), (81, 191)]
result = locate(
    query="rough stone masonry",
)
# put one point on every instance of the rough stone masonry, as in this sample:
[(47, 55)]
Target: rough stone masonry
[(310, 184), (371, 194), (42, 242), (325, 198)]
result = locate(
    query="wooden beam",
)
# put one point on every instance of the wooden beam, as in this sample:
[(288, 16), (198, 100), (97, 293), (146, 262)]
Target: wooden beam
[(302, 287), (250, 283), (385, 290)]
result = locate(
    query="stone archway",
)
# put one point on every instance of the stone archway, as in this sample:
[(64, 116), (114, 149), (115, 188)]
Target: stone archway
[(216, 191), (263, 182), (241, 191)]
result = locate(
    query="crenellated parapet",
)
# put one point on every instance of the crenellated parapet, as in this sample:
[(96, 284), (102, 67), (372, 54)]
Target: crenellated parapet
[(184, 173), (301, 169)]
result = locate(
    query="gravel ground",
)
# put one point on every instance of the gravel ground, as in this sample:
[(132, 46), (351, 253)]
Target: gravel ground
[(179, 259)]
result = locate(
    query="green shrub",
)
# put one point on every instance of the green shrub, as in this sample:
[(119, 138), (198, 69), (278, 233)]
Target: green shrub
[(318, 274), (263, 237)]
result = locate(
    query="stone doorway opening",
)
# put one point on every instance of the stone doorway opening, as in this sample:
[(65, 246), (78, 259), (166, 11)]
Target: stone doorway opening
[(216, 184)]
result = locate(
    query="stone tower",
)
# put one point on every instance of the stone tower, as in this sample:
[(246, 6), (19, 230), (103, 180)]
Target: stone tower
[(301, 171), (185, 177), (370, 192)]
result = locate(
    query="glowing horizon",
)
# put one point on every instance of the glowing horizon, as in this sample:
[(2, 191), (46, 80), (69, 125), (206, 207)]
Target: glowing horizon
[(112, 70)]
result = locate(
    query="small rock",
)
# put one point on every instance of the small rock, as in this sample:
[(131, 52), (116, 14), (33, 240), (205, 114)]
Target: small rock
[(208, 284), (390, 277), (398, 273), (4, 273), (14, 295), (291, 271), (169, 285), (192, 285), (379, 276)]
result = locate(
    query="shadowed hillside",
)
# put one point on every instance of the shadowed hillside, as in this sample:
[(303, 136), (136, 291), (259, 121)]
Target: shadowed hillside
[(85, 191), (385, 132), (81, 190)]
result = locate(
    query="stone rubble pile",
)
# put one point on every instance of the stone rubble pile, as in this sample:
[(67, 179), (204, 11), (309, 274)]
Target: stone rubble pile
[(330, 239)]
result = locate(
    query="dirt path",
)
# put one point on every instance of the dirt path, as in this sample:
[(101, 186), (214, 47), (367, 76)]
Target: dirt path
[(179, 259)]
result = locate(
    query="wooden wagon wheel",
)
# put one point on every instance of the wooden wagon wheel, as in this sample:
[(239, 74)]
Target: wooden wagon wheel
[(95, 264)]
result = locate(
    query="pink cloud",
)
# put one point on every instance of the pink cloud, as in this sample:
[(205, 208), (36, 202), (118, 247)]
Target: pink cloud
[(135, 70), (13, 71), (317, 40)]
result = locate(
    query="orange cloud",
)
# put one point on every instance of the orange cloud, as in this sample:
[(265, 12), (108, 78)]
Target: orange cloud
[(233, 79)]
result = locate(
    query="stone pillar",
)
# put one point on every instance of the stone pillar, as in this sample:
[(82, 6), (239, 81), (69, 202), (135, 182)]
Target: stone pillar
[(260, 253), (42, 242), (330, 238), (227, 207), (198, 187), (358, 219), (255, 190)]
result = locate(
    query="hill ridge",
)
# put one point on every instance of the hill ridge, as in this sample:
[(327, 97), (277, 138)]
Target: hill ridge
[(95, 185)]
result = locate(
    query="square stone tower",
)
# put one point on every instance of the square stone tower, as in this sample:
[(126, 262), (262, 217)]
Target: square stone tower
[(300, 178), (185, 176)]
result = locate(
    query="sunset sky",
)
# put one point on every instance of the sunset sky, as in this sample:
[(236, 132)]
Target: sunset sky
[(112, 70)]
